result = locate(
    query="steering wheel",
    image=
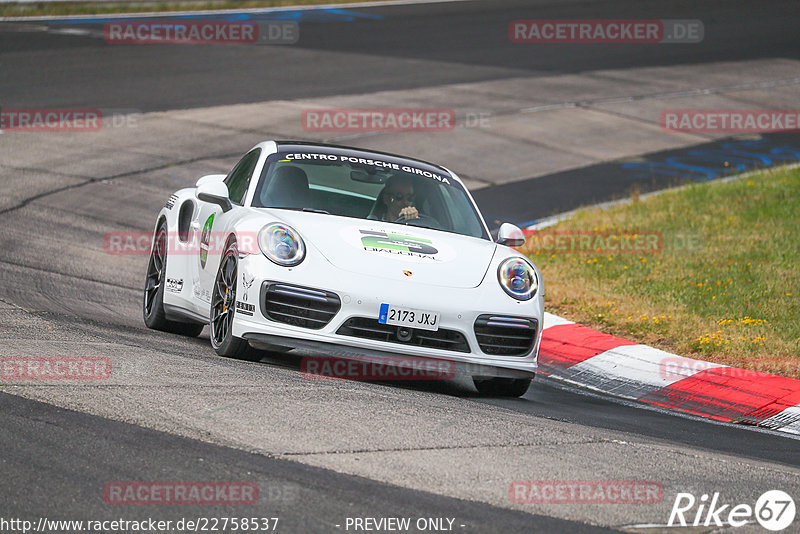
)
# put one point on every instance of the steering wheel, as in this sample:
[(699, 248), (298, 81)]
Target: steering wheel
[(423, 220)]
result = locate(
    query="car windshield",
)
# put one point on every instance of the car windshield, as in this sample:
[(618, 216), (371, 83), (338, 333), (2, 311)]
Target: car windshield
[(367, 186)]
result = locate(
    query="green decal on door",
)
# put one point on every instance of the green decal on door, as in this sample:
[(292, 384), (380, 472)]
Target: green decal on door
[(205, 239)]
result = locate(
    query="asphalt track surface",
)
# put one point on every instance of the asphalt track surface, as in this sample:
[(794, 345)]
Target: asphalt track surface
[(526, 201), (58, 460), (306, 499), (458, 41)]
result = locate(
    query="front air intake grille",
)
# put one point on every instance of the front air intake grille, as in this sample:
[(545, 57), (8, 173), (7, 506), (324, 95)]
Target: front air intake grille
[(298, 306), (505, 336), (367, 328)]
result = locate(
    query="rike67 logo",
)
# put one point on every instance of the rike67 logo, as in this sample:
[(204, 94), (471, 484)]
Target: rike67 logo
[(774, 510)]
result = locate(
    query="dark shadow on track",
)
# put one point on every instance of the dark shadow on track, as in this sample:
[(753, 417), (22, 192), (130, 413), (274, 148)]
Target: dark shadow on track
[(550, 399), (76, 455)]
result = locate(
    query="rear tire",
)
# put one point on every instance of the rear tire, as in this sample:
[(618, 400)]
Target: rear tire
[(501, 387), (153, 300), (223, 309)]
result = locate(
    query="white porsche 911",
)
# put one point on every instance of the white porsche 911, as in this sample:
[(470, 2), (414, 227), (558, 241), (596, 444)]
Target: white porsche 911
[(353, 253)]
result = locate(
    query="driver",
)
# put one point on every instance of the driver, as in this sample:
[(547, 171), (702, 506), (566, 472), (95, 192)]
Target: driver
[(396, 201)]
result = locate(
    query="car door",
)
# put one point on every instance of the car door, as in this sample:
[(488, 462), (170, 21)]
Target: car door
[(213, 227)]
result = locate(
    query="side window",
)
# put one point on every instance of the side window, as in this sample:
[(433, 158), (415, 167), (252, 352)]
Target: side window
[(239, 178)]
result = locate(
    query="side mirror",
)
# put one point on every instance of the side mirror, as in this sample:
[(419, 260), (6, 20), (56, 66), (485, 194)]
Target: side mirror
[(210, 178), (510, 235), (214, 193)]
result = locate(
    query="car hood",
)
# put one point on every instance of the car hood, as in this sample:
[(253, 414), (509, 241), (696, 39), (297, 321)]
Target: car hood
[(395, 251)]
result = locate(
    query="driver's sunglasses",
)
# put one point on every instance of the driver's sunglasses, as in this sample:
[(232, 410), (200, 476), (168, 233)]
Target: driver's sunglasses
[(394, 197)]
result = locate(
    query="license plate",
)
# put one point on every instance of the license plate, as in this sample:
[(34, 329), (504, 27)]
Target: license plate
[(397, 316)]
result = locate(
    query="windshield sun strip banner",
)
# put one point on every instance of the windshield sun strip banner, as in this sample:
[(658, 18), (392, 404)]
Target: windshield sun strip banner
[(371, 160)]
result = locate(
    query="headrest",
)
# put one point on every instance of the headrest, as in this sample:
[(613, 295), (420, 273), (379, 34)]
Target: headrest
[(288, 188)]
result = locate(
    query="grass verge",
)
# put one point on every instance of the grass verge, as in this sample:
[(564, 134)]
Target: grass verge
[(711, 271), (33, 9)]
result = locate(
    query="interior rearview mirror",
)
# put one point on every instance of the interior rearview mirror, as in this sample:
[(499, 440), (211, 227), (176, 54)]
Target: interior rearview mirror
[(363, 176)]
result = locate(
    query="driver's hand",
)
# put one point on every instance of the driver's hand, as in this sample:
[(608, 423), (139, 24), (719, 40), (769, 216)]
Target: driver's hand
[(409, 212)]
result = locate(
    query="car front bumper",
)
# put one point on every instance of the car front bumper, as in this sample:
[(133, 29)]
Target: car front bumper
[(361, 297)]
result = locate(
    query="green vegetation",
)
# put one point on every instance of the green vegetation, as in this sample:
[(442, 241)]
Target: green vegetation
[(723, 286)]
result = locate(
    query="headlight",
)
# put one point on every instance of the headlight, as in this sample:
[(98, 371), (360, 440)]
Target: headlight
[(517, 278), (281, 244)]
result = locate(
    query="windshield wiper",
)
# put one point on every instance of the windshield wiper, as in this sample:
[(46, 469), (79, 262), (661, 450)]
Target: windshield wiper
[(313, 210)]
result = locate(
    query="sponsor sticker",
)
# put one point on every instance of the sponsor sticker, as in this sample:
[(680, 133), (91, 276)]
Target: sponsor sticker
[(174, 285), (247, 282), (245, 308), (171, 201), (205, 239), (365, 161), (405, 246)]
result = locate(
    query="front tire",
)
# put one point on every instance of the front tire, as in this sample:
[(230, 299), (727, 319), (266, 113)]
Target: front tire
[(153, 299), (223, 309), (501, 387)]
